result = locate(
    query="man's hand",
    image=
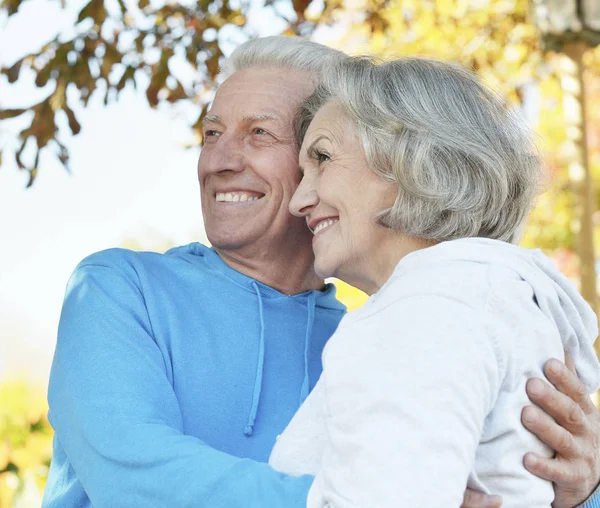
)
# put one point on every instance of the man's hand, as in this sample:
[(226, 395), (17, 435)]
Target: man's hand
[(571, 426), (474, 499)]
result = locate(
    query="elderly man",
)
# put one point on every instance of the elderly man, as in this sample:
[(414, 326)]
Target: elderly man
[(174, 373)]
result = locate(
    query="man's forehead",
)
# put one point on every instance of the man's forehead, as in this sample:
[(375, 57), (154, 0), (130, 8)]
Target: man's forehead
[(268, 86), (269, 77)]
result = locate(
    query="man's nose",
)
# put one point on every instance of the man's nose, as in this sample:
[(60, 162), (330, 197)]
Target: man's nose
[(227, 155), (304, 199)]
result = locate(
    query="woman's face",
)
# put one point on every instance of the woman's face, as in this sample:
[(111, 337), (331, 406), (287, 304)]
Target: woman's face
[(340, 197)]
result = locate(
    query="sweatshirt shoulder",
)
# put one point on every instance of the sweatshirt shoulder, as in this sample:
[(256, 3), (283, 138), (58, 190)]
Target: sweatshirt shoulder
[(123, 260), (464, 283), (146, 271), (126, 259)]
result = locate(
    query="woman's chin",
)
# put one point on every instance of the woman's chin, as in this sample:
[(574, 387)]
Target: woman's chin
[(323, 270)]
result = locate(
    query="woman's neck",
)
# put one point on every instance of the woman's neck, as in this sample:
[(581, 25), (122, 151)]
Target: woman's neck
[(382, 261)]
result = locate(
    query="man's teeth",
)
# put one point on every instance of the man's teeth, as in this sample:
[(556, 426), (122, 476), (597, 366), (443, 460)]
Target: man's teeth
[(234, 197), (324, 224)]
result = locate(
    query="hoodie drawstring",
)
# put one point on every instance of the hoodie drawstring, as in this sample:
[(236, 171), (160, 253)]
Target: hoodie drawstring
[(309, 327), (261, 358), (259, 367)]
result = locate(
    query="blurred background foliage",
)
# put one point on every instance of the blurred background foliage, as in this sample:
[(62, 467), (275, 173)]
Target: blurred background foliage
[(25, 444), (122, 43)]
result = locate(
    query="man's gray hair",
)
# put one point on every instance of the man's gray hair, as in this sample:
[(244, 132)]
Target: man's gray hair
[(282, 52), (464, 162)]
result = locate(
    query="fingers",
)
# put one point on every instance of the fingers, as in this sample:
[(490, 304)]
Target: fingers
[(570, 363), (568, 383), (544, 427), (549, 469), (562, 408), (474, 499)]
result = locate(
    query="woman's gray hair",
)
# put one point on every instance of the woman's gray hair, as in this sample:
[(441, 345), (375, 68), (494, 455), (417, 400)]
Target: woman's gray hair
[(464, 162), (282, 52)]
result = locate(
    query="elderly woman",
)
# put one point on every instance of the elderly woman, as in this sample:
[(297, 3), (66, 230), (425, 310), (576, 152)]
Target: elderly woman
[(415, 181)]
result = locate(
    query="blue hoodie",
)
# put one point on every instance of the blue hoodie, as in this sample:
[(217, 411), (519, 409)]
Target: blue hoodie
[(173, 374)]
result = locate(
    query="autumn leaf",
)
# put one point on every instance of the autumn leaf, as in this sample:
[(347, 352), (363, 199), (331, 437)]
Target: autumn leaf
[(5, 114)]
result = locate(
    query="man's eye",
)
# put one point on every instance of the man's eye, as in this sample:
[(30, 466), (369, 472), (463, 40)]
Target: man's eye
[(210, 133), (260, 131)]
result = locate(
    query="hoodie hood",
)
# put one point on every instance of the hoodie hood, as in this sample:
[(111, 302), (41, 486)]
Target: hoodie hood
[(555, 295), (324, 299)]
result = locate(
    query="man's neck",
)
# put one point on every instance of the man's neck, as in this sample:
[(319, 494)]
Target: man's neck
[(288, 272)]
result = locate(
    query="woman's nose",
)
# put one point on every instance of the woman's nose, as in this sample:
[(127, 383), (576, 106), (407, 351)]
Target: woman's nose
[(304, 199)]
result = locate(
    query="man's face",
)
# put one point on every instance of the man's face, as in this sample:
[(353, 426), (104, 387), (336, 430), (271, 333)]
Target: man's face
[(248, 167)]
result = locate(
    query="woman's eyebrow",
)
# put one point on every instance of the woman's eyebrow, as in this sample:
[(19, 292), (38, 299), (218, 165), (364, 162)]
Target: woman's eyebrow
[(311, 148)]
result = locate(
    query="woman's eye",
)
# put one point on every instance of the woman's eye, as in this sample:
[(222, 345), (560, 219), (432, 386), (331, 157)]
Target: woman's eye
[(322, 157)]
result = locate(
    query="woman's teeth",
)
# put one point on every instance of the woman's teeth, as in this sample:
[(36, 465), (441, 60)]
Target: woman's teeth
[(324, 224)]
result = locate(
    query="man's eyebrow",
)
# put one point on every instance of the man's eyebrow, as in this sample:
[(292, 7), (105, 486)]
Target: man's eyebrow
[(212, 118), (259, 118)]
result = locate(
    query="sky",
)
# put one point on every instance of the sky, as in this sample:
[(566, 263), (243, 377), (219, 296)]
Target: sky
[(132, 179)]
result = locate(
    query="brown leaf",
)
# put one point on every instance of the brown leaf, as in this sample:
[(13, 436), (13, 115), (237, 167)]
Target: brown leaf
[(74, 125), (12, 6), (300, 6), (13, 72), (19, 152), (32, 173), (41, 80), (128, 75), (63, 155), (152, 95), (43, 126), (10, 113), (197, 127), (86, 12), (177, 94), (212, 65)]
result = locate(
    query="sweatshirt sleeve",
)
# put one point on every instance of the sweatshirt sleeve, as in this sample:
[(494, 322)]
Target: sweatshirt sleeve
[(593, 501), (117, 417), (407, 393)]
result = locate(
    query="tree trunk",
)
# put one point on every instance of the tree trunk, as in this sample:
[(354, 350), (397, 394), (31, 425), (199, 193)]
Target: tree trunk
[(572, 80)]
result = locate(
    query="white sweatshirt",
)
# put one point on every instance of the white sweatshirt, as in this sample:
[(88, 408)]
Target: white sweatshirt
[(423, 387)]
